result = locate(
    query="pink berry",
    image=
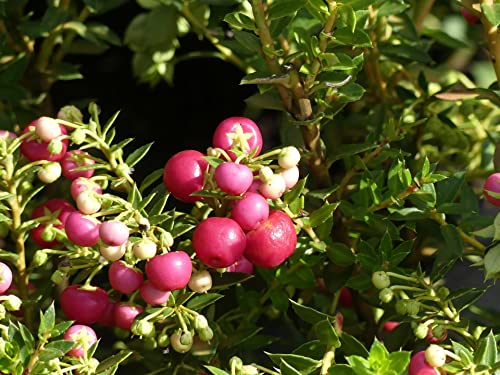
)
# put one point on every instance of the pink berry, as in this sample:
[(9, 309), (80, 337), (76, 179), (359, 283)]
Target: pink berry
[(7, 134), (272, 242), (233, 178), (51, 206), (389, 326), (242, 265), (5, 277), (184, 174), (469, 16), (82, 230), (250, 210), (125, 314), (219, 241), (291, 176), (113, 233), (419, 366), (124, 278), (274, 187), (36, 149), (107, 319), (238, 133), (170, 271), (492, 184), (83, 336), (74, 159), (80, 184), (153, 296), (84, 306)]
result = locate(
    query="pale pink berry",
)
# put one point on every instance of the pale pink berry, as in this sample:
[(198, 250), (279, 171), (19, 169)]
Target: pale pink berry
[(81, 184), (87, 202), (291, 176), (83, 336), (274, 187), (47, 129), (113, 232), (289, 157), (153, 296)]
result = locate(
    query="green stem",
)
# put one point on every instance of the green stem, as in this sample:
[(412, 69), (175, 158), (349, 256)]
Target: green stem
[(59, 55), (327, 361), (493, 38), (421, 10)]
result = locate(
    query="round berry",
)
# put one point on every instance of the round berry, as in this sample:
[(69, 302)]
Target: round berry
[(381, 280), (272, 242), (233, 178), (291, 176), (47, 128), (249, 211), (435, 355), (49, 172), (83, 305), (107, 319), (184, 173), (419, 366), (87, 202), (289, 157), (170, 271), (389, 326), (274, 187), (125, 314), (112, 253), (200, 282), (144, 249), (492, 184), (242, 265), (64, 209), (219, 241), (36, 149), (74, 159), (181, 341), (82, 230), (113, 233), (83, 336), (238, 133), (124, 278), (153, 296), (80, 184), (5, 277)]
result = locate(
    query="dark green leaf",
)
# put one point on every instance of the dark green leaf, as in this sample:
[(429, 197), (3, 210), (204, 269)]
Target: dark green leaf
[(322, 214), (150, 179), (138, 154), (284, 8), (304, 365), (309, 314), (326, 333), (352, 346), (216, 371), (443, 38), (405, 53), (47, 321), (201, 301), (240, 20), (341, 370), (113, 360), (340, 254)]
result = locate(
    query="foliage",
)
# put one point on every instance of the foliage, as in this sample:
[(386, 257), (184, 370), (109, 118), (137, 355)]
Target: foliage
[(396, 139)]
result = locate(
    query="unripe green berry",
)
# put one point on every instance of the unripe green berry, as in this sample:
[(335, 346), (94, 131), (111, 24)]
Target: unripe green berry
[(443, 292), (206, 334), (381, 280), (435, 355), (412, 307), (55, 146), (186, 338), (401, 308), (167, 239), (421, 331), (48, 234), (143, 328), (70, 113), (386, 295), (163, 340), (12, 303), (181, 346), (249, 370), (39, 258), (236, 363), (200, 322), (78, 136), (58, 277)]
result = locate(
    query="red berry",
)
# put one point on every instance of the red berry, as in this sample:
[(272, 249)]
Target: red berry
[(113, 232), (124, 278), (83, 336), (74, 159), (469, 16), (153, 296), (107, 319), (238, 133), (36, 149), (82, 230), (432, 339), (5, 277), (184, 174), (233, 178), (84, 306), (492, 184), (125, 314), (345, 299), (272, 242), (250, 210), (81, 184), (51, 206), (389, 326), (419, 366), (219, 241), (170, 271), (242, 265)]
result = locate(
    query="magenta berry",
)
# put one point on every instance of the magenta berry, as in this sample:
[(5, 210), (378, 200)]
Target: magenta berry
[(153, 296), (125, 314), (419, 366), (250, 210), (81, 184), (36, 149), (272, 242), (219, 241), (242, 265), (5, 277), (107, 319), (184, 174), (124, 278), (113, 232), (239, 133), (74, 159), (83, 305), (233, 178), (492, 184), (51, 206), (83, 336), (82, 230), (170, 271)]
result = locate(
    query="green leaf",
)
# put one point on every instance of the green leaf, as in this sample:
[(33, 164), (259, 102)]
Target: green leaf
[(138, 154), (151, 179), (247, 40), (287, 369), (29, 340), (60, 328), (308, 314), (392, 8), (216, 371), (398, 361), (358, 38), (341, 370), (492, 13), (240, 20), (492, 262), (405, 53), (340, 254), (352, 346), (266, 100), (486, 353), (56, 349), (443, 38), (304, 365), (113, 360), (322, 214), (102, 6), (201, 301), (284, 8), (326, 333), (227, 279), (47, 321), (346, 150)]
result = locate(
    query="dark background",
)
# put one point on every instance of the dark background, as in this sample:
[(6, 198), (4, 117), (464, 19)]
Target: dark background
[(178, 117)]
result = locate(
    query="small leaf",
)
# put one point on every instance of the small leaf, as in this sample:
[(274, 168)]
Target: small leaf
[(341, 370), (486, 353), (304, 364), (492, 13), (326, 333), (47, 321), (201, 301), (322, 214), (309, 314), (340, 254), (492, 262), (150, 179), (284, 8), (138, 154), (216, 371), (113, 360)]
